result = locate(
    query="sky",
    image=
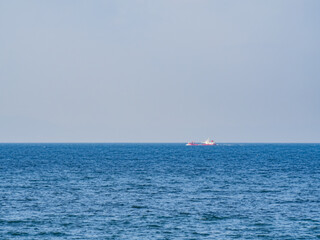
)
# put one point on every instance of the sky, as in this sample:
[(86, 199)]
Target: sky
[(159, 71)]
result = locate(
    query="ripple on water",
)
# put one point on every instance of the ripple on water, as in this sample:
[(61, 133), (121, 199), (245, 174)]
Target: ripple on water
[(159, 191)]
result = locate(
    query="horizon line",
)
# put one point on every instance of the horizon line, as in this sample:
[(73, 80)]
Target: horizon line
[(155, 142)]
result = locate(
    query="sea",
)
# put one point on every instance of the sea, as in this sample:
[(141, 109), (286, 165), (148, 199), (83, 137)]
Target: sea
[(159, 191)]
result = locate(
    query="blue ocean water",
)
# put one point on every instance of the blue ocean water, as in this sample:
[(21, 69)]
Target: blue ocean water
[(159, 191)]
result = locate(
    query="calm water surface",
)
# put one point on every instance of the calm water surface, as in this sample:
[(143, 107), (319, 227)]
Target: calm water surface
[(159, 191)]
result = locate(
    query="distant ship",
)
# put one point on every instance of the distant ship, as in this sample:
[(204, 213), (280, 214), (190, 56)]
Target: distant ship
[(208, 142)]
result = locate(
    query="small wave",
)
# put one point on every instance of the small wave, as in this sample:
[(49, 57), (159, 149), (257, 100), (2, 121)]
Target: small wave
[(154, 226), (260, 224), (18, 233), (212, 217), (13, 221), (138, 206), (201, 234), (56, 234), (185, 213)]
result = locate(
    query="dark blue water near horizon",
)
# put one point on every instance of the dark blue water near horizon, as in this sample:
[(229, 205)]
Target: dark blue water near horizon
[(159, 191)]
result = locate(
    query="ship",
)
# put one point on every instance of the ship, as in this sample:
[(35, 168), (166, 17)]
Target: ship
[(208, 142)]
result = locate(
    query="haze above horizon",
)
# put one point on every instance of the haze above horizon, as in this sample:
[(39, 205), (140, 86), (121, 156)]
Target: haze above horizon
[(160, 71)]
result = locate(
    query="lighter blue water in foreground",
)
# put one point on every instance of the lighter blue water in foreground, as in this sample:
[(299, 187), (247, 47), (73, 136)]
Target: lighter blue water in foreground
[(159, 191)]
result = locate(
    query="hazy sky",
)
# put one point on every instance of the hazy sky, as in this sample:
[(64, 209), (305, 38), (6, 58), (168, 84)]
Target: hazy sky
[(159, 71)]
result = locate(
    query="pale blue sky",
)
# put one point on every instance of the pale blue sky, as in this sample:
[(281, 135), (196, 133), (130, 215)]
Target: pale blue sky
[(160, 71)]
